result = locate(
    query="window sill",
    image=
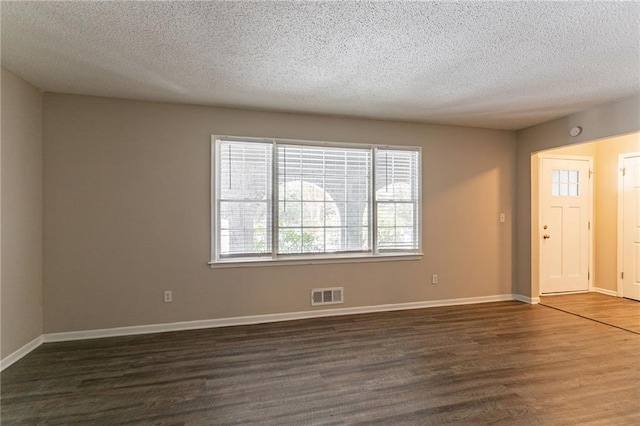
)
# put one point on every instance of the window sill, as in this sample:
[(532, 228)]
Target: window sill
[(315, 260)]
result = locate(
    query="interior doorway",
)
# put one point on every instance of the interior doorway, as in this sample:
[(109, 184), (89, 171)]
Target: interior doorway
[(605, 261)]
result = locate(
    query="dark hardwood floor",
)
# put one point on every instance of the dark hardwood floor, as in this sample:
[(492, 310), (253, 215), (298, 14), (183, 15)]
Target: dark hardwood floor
[(616, 311), (497, 363)]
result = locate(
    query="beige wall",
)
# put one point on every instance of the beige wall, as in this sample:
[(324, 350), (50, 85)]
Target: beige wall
[(609, 120), (21, 213), (127, 215), (607, 173)]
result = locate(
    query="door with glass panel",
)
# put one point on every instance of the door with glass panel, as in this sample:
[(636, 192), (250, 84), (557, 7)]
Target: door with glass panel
[(564, 225)]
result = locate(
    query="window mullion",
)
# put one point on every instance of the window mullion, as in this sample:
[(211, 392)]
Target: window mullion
[(344, 231), (373, 205), (275, 205), (215, 158), (414, 193), (301, 174), (324, 199)]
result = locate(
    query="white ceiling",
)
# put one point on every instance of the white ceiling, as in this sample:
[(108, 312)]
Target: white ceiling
[(505, 65)]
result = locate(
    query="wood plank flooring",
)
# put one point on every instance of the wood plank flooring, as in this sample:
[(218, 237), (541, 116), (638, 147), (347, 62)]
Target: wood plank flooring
[(616, 311), (498, 363)]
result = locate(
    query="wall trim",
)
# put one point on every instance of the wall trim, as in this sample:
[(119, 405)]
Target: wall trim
[(20, 353), (259, 319), (605, 291), (526, 299), (245, 320)]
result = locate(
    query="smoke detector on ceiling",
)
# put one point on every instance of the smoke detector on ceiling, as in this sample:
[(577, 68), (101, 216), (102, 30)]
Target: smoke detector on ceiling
[(575, 131)]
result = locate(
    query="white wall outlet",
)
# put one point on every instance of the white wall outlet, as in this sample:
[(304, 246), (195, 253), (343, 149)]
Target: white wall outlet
[(502, 218), (434, 279), (168, 296)]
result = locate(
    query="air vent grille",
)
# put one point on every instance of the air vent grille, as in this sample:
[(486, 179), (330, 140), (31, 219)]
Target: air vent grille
[(326, 296)]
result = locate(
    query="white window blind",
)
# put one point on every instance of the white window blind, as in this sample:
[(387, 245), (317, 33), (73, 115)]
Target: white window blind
[(276, 199), (397, 199), (322, 194), (244, 198)]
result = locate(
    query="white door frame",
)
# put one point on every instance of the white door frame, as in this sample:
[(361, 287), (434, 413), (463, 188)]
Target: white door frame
[(542, 156), (621, 159)]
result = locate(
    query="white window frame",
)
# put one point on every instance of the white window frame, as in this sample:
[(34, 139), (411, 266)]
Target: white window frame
[(373, 255)]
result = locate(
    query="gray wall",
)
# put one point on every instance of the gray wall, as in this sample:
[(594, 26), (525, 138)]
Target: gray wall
[(21, 253), (126, 196), (127, 215), (613, 119)]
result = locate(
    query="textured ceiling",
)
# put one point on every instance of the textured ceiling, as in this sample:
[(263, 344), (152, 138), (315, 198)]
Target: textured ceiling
[(503, 65)]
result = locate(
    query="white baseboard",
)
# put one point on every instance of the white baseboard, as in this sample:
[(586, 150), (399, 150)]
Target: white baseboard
[(605, 291), (259, 319), (17, 355), (526, 299), (245, 320)]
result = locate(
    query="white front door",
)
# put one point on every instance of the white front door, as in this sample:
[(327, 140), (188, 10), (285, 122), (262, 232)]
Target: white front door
[(631, 228), (565, 203)]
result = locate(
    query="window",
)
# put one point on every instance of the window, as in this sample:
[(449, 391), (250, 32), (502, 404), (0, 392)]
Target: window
[(565, 183), (397, 200), (286, 200), (244, 198)]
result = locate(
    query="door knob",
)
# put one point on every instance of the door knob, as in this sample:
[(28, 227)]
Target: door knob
[(546, 237)]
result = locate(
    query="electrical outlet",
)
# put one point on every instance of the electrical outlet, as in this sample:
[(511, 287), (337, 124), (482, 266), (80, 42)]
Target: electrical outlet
[(502, 218), (168, 296), (434, 279)]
